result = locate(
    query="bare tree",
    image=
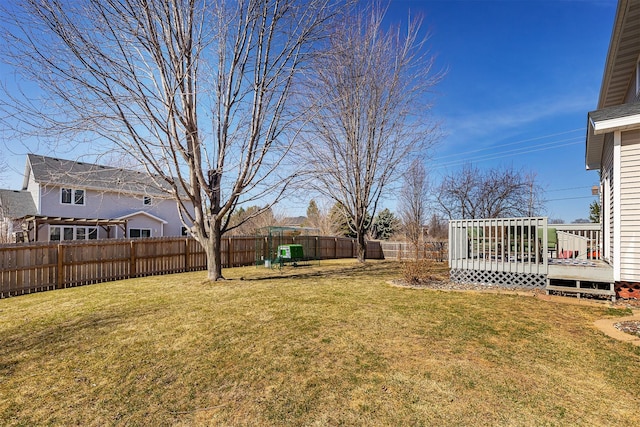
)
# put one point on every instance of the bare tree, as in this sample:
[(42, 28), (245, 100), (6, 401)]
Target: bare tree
[(498, 192), (197, 91), (249, 223), (412, 203), (320, 218), (369, 94)]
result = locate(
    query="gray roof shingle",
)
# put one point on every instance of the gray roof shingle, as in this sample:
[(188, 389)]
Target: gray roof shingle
[(615, 112), (16, 204), (53, 171)]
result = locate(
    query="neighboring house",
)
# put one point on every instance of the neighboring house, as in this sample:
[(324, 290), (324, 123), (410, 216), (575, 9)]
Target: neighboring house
[(14, 204), (68, 200), (613, 146)]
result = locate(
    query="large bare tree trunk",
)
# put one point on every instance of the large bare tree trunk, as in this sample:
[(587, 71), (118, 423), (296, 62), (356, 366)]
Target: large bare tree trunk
[(361, 248), (214, 255)]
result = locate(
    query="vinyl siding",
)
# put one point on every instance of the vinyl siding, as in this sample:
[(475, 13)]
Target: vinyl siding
[(630, 207)]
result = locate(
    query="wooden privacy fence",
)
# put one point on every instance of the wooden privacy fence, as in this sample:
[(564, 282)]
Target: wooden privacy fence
[(436, 250), (26, 268)]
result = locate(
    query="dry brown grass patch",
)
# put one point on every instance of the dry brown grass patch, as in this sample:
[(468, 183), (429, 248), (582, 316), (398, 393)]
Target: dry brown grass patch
[(328, 344)]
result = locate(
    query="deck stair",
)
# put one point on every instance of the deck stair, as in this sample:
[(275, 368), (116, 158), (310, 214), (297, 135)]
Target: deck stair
[(580, 287)]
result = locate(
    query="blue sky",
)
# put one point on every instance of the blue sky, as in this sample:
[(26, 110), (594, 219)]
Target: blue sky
[(521, 77)]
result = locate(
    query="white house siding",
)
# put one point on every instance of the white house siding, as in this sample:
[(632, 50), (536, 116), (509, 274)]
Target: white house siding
[(630, 207), (108, 205), (34, 188), (607, 198)]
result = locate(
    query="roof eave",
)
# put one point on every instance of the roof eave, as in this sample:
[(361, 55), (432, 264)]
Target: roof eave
[(596, 131), (593, 149), (612, 51)]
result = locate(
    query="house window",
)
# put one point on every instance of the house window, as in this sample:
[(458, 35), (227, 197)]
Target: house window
[(66, 195), (78, 197), (57, 233), (184, 231), (92, 233), (70, 196), (146, 200), (54, 234), (135, 233), (67, 233)]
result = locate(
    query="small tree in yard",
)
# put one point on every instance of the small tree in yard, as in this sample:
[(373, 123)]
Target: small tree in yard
[(320, 218), (368, 98), (413, 202), (198, 92), (343, 223)]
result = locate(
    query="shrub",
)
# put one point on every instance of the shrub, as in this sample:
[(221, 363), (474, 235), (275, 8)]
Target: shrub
[(419, 271)]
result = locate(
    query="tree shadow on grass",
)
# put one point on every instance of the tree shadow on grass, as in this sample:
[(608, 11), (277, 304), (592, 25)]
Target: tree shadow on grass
[(355, 270)]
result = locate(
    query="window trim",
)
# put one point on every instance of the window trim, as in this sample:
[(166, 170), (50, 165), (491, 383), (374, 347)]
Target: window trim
[(140, 230), (73, 196), (147, 200), (90, 233)]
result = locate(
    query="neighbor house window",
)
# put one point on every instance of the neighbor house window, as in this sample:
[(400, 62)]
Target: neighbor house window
[(146, 200), (70, 196), (139, 232), (57, 233), (92, 233), (54, 234)]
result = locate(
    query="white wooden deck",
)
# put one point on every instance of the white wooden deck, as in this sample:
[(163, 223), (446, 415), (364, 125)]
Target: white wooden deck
[(529, 252)]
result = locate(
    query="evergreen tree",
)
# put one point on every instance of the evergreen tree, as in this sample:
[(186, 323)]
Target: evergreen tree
[(594, 211), (313, 214), (385, 225), (344, 223)]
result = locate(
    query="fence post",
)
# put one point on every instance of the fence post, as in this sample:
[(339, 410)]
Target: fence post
[(132, 259), (186, 254), (230, 252), (60, 278)]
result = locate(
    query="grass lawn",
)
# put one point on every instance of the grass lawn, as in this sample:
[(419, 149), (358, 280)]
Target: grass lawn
[(332, 344)]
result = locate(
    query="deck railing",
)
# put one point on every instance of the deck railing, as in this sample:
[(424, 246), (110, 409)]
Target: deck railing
[(520, 245), (577, 241), (499, 244)]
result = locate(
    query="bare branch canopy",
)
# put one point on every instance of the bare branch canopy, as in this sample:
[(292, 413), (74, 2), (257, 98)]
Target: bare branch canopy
[(196, 91), (369, 102)]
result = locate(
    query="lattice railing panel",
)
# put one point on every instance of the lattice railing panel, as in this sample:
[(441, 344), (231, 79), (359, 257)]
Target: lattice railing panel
[(499, 278)]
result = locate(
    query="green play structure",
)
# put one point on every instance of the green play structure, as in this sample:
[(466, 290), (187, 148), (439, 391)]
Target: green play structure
[(276, 246)]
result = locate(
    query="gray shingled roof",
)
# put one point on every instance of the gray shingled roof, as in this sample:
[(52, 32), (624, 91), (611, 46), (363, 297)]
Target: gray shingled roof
[(52, 171), (615, 112), (16, 204)]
